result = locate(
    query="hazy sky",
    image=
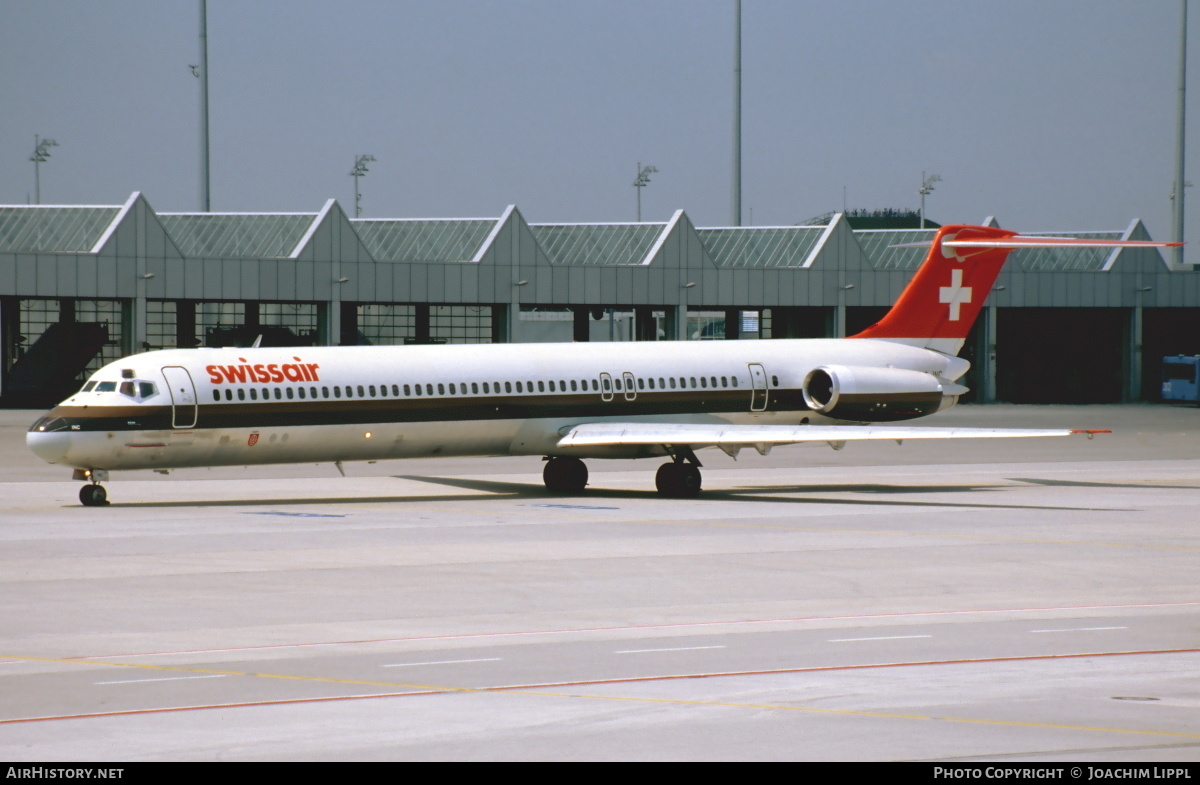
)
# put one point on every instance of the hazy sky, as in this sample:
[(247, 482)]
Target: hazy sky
[(1049, 114)]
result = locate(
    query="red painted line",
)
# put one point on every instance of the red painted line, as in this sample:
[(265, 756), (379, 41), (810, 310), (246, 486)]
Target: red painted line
[(632, 628), (592, 682)]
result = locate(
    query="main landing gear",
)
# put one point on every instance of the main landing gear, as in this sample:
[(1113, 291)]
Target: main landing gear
[(92, 495), (679, 479), (565, 475)]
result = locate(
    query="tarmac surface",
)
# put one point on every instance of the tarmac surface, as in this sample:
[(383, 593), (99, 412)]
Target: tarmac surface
[(991, 601)]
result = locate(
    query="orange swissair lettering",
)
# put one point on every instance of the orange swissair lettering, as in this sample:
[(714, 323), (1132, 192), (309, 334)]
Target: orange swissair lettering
[(299, 371)]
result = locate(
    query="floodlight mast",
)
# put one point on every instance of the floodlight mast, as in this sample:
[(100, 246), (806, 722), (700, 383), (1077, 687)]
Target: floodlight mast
[(41, 152), (201, 73), (640, 182), (925, 190), (359, 170), (1181, 183)]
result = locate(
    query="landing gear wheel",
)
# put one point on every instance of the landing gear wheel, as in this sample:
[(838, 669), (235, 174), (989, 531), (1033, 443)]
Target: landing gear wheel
[(93, 496), (680, 480), (565, 475)]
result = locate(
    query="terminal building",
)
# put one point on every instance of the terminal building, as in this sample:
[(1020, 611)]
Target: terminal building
[(81, 286)]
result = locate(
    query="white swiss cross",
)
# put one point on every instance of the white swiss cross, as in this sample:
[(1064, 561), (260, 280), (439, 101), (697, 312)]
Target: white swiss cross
[(955, 294)]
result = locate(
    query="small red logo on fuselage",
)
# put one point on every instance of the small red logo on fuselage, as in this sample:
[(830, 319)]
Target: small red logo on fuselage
[(253, 440), (246, 373)]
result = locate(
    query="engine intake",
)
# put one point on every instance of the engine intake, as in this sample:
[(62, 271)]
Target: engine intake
[(865, 394)]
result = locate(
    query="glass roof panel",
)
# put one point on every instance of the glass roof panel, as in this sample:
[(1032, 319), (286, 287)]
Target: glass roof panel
[(456, 240), (1066, 259), (53, 229), (597, 244), (219, 235), (875, 244), (781, 246)]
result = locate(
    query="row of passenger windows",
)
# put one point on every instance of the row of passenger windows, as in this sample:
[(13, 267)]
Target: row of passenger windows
[(418, 390)]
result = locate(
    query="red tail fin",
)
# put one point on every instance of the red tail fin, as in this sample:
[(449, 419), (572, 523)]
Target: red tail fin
[(941, 302)]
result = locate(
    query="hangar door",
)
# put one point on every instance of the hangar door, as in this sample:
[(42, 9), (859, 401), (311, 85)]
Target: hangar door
[(1061, 355)]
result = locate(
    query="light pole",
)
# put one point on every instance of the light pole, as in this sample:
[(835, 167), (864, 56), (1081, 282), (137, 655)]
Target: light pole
[(642, 180), (360, 169), (41, 152), (926, 189)]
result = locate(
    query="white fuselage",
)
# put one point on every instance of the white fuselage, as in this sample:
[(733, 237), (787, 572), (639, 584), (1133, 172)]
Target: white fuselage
[(218, 407)]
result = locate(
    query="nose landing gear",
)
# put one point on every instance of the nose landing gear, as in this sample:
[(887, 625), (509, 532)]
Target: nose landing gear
[(92, 495)]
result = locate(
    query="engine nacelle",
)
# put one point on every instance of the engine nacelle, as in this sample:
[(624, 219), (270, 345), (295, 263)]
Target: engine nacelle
[(867, 394)]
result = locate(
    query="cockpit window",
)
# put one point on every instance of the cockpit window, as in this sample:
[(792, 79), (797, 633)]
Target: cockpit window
[(146, 389), (106, 387), (88, 387), (129, 388)]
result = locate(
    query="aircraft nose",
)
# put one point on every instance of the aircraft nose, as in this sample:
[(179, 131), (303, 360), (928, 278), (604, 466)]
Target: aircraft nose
[(51, 447)]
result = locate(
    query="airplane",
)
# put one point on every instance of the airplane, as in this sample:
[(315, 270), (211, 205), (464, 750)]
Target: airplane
[(205, 407)]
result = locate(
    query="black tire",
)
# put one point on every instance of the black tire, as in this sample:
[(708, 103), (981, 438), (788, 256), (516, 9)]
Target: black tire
[(565, 475), (678, 480), (93, 496)]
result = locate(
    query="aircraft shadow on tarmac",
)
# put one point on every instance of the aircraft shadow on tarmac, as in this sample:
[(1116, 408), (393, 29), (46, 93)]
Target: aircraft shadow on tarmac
[(755, 493), (886, 495), (1081, 484)]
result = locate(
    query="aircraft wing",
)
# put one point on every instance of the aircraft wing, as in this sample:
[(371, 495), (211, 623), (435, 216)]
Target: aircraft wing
[(732, 437)]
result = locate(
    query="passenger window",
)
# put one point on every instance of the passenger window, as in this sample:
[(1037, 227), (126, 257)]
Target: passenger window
[(441, 389), (508, 387), (474, 388), (313, 393), (452, 392), (574, 387), (228, 394), (371, 389), (714, 381), (253, 394), (617, 384), (396, 391), (662, 383), (604, 384), (724, 381), (337, 392), (299, 391), (733, 381), (693, 382), (429, 389), (360, 391), (278, 394), (408, 391), (216, 395), (241, 394), (486, 389), (641, 383), (774, 381), (324, 392), (290, 394), (595, 386), (551, 385), (418, 390), (703, 382), (349, 391)]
